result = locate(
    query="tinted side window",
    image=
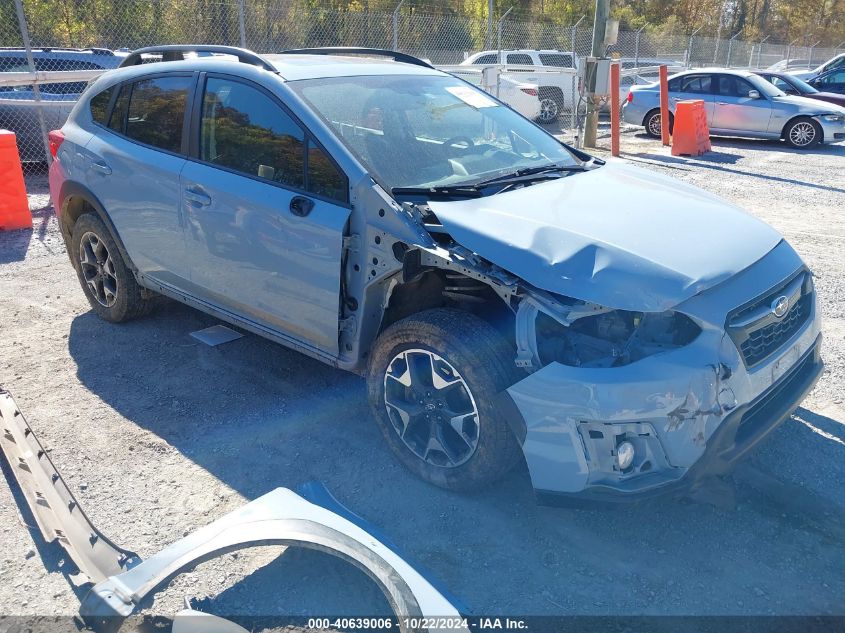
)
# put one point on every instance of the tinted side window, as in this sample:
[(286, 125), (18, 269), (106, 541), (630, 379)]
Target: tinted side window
[(243, 129), (117, 120), (730, 86), (520, 58), (696, 84), (157, 111), (14, 65), (549, 59), (675, 85), (100, 106), (834, 78), (324, 178), (485, 59)]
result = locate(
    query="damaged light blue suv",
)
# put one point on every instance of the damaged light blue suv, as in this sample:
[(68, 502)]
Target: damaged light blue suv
[(507, 297)]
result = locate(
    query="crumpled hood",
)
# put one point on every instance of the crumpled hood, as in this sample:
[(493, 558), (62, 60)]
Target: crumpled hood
[(617, 235)]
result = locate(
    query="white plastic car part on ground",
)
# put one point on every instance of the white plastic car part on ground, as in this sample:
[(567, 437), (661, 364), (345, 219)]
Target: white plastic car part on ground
[(279, 517)]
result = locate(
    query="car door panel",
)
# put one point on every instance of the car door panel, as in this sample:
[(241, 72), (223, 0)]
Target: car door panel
[(736, 112), (693, 87), (117, 167), (263, 247)]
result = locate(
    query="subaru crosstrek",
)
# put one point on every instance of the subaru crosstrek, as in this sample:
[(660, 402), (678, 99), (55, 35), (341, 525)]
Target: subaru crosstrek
[(507, 297)]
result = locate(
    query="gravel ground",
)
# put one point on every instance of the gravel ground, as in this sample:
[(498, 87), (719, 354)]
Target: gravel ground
[(158, 435)]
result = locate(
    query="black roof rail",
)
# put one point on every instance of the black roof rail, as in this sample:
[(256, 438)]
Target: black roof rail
[(175, 52), (355, 50)]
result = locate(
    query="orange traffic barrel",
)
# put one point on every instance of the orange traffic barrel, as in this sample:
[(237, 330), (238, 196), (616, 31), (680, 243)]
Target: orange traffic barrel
[(14, 207)]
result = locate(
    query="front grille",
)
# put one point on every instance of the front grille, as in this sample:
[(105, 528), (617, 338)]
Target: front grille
[(762, 342), (758, 333)]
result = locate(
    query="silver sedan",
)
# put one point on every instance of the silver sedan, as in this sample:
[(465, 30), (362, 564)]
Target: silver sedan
[(739, 103)]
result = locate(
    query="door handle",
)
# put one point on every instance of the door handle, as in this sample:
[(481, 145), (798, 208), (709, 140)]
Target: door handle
[(198, 196), (721, 103), (301, 206), (101, 167)]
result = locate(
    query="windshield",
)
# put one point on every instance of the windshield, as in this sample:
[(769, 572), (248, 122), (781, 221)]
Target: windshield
[(429, 131)]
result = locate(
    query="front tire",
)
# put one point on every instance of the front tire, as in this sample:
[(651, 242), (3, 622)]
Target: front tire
[(803, 133), (432, 381), (107, 282)]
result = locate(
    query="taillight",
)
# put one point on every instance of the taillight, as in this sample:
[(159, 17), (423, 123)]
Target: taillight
[(530, 91), (630, 97), (56, 139)]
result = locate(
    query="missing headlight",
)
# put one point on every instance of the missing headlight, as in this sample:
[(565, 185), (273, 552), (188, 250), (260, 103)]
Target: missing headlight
[(611, 339)]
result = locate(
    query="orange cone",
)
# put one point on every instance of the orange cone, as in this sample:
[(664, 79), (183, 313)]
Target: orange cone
[(14, 207), (690, 135)]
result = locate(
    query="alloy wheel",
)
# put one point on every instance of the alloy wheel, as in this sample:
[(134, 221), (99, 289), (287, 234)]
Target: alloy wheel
[(802, 134), (98, 269), (431, 408), (654, 125), (548, 110)]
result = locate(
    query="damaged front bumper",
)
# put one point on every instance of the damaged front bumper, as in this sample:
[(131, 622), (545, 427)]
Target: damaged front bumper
[(688, 414)]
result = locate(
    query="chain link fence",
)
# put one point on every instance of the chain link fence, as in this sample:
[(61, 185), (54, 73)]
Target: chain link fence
[(442, 36)]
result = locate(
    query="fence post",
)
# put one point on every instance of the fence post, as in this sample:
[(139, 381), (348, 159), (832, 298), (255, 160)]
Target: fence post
[(760, 49), (789, 52), (396, 25), (730, 48), (241, 23), (499, 34), (637, 48), (689, 46), (810, 61), (575, 35), (36, 91)]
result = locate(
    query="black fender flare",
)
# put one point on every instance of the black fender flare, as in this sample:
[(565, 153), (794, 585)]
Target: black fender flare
[(72, 190)]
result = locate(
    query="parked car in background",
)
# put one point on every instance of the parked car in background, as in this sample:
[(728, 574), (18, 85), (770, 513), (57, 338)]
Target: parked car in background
[(834, 63), (830, 81), (519, 95), (386, 218), (17, 104), (792, 85), (740, 103), (790, 64), (553, 71)]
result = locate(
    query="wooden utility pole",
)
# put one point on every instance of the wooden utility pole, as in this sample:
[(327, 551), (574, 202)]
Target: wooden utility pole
[(599, 27)]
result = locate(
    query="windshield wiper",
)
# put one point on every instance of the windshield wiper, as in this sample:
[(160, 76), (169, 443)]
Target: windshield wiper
[(468, 191), (527, 174)]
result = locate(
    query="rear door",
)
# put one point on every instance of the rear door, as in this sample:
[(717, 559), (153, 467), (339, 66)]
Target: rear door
[(696, 86), (133, 167), (266, 210), (736, 111)]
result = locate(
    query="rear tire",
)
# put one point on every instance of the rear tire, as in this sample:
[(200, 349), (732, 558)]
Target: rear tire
[(803, 133), (651, 123), (431, 382), (107, 282), (551, 104)]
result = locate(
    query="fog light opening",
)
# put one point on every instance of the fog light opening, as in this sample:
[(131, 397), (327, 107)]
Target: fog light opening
[(624, 455)]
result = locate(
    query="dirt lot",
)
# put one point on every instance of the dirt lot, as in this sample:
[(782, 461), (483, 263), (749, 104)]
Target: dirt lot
[(159, 434)]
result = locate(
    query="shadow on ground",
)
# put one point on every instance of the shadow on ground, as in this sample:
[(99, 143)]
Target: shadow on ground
[(257, 416)]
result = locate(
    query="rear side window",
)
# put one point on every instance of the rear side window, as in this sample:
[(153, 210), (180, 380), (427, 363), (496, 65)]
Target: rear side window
[(100, 106), (245, 130), (117, 120), (520, 58), (157, 112), (696, 84), (485, 59), (556, 59)]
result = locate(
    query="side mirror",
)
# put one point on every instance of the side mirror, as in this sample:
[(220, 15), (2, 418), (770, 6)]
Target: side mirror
[(753, 94)]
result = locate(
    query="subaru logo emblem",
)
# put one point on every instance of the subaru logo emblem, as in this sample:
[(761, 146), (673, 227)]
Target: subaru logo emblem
[(780, 306)]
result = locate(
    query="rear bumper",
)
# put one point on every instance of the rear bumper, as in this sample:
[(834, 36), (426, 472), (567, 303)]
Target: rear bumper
[(738, 434)]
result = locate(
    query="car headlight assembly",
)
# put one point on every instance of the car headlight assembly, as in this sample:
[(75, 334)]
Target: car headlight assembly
[(612, 339), (833, 118)]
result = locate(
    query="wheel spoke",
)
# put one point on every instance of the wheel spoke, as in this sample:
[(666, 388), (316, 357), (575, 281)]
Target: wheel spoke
[(98, 269)]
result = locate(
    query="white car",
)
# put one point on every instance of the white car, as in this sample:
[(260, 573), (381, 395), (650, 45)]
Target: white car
[(834, 63), (554, 72), (519, 95)]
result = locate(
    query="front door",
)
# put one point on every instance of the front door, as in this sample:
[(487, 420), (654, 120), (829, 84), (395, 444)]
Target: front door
[(266, 209), (736, 111)]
